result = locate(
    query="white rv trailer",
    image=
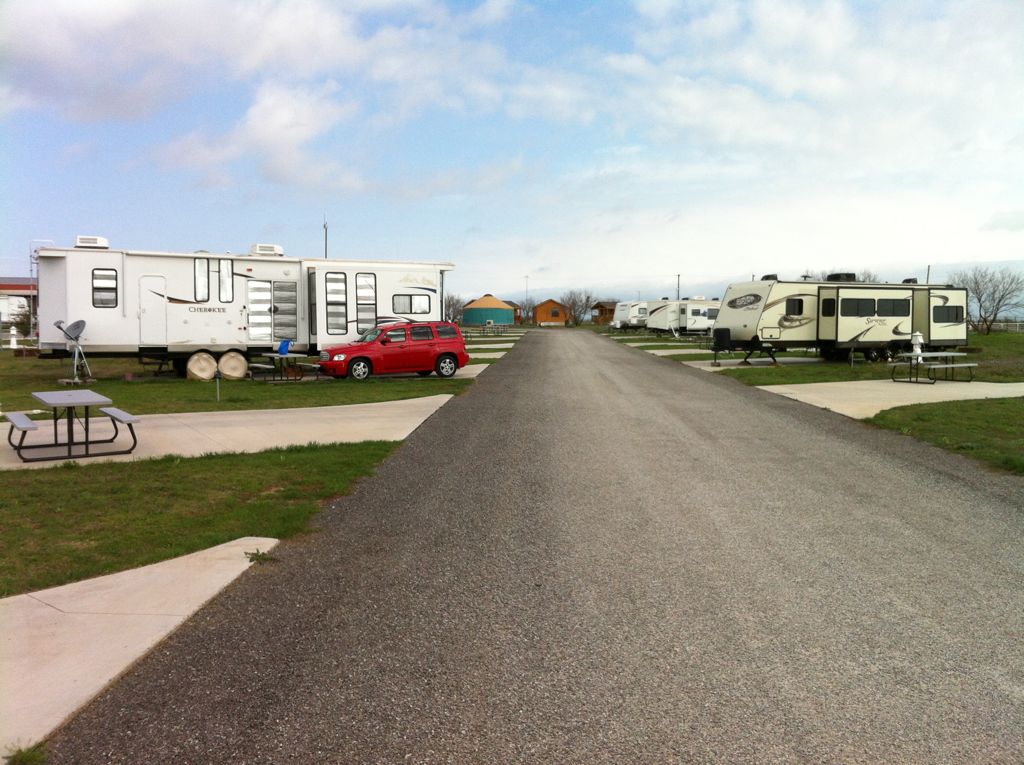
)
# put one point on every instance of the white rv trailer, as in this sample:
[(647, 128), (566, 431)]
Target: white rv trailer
[(690, 316), (630, 315), (840, 315), (170, 305)]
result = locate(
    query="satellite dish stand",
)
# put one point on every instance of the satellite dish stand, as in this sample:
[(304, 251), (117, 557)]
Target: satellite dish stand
[(79, 364)]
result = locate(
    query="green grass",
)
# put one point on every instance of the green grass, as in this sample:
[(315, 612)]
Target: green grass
[(1001, 359), (149, 394), (72, 522), (33, 755), (990, 430)]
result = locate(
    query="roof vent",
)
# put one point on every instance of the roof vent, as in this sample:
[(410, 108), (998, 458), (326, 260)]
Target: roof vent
[(270, 250), (911, 280), (841, 277), (699, 297), (91, 243), (770, 278)]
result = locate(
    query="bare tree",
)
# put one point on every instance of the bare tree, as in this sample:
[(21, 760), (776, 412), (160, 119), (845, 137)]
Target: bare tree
[(990, 293), (526, 308), (453, 305), (578, 303), (868, 276)]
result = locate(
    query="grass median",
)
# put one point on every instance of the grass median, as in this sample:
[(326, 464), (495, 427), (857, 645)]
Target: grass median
[(71, 522), (74, 521), (136, 389)]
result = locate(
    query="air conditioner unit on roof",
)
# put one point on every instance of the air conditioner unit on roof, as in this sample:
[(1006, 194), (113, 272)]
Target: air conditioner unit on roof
[(274, 250), (92, 242)]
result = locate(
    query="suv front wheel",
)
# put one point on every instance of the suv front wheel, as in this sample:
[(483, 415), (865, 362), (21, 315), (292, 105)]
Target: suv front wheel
[(359, 369), (447, 366)]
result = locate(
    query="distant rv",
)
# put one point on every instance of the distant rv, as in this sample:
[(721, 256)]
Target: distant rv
[(630, 315), (689, 316), (174, 305), (841, 315)]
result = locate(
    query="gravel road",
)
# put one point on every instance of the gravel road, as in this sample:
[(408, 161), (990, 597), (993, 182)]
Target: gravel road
[(599, 556)]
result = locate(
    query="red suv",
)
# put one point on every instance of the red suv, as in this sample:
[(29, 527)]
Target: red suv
[(421, 347)]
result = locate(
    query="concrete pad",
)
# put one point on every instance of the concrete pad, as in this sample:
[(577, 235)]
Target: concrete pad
[(676, 351), (860, 399), (62, 646), (735, 361), (470, 371), (487, 355), (195, 433)]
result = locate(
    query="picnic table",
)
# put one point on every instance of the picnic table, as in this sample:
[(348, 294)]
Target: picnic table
[(935, 364), (72, 406)]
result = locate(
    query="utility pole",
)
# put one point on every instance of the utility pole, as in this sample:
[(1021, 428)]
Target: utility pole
[(677, 286), (325, 236)]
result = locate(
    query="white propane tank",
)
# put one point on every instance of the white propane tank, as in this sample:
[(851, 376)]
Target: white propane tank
[(916, 339)]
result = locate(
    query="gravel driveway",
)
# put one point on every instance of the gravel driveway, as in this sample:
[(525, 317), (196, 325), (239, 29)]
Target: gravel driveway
[(596, 555)]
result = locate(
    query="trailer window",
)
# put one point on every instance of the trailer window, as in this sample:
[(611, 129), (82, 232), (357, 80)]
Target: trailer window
[(104, 288), (888, 307), (856, 307), (366, 301), (794, 306), (336, 299), (828, 307), (410, 303), (202, 270), (712, 313), (227, 281), (948, 314), (694, 312)]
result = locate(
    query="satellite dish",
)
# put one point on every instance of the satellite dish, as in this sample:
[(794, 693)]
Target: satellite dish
[(75, 329)]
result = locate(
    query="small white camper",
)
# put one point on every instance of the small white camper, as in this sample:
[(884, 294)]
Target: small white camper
[(172, 305), (630, 315), (689, 316), (840, 315)]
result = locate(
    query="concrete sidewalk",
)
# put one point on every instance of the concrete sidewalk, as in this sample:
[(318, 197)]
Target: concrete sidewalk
[(860, 399), (195, 433), (60, 647)]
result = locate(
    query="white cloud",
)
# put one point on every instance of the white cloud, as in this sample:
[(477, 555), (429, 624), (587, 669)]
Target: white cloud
[(276, 131), (1006, 220)]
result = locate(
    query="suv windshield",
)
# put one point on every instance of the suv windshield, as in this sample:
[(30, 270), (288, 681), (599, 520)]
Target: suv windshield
[(370, 336)]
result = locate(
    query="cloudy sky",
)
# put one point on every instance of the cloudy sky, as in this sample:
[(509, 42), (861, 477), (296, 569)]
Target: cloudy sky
[(551, 144)]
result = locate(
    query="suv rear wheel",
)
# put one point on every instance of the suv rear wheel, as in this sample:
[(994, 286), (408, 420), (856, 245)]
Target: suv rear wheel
[(447, 366)]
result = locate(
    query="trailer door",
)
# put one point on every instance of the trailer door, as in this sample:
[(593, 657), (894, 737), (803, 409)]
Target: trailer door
[(828, 312), (286, 311), (260, 303), (153, 311)]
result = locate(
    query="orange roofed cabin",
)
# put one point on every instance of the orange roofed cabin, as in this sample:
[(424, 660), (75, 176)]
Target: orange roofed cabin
[(551, 313)]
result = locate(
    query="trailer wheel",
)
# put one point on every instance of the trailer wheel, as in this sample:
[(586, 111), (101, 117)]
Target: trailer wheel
[(447, 366), (359, 369), (201, 366), (872, 354), (233, 366)]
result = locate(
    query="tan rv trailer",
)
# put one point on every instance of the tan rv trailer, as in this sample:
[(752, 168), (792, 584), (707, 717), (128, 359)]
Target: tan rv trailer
[(841, 315)]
